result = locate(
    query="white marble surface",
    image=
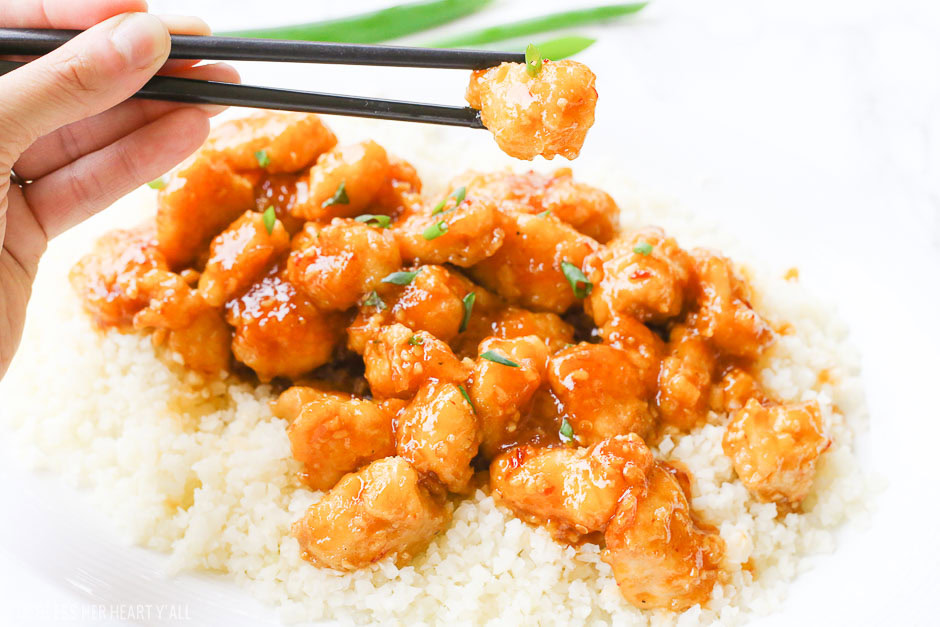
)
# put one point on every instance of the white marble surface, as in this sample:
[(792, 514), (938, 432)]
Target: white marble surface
[(812, 129)]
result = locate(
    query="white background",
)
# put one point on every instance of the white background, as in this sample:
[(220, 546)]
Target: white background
[(812, 129)]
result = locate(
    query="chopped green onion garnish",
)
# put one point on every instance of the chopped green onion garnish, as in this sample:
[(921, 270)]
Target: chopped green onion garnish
[(416, 340), (566, 431), (339, 198), (467, 309), (401, 278), (157, 183), (499, 359), (576, 279), (458, 195), (435, 230), (643, 248), (544, 214), (375, 220), (374, 300), (467, 398), (269, 217), (263, 159), (533, 60)]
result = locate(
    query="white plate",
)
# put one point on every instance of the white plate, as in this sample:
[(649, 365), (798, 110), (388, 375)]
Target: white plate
[(810, 130)]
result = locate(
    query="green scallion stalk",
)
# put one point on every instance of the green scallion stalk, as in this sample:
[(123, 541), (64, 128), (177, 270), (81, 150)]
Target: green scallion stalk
[(541, 24), (564, 47), (373, 27)]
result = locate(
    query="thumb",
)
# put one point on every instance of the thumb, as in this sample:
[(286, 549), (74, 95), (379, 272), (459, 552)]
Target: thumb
[(96, 70)]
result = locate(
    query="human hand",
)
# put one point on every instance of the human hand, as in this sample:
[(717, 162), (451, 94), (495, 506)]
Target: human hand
[(66, 128)]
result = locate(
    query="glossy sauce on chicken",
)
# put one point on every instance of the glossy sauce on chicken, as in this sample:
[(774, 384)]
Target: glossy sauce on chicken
[(506, 334), (546, 109)]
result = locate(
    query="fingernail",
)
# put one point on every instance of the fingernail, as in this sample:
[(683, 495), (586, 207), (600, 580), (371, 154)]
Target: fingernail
[(185, 25), (211, 110), (141, 40)]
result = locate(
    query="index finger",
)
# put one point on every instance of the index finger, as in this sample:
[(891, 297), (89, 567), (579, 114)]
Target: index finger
[(64, 13)]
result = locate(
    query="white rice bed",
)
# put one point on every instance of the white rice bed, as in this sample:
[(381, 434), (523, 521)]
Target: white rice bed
[(206, 476)]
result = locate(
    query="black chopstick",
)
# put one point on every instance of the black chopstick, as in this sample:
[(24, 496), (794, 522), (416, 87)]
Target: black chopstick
[(15, 41), (208, 92)]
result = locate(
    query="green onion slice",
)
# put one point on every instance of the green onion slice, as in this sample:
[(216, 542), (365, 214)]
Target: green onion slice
[(157, 183), (468, 301), (466, 396), (566, 431), (435, 230), (576, 279), (458, 195), (533, 60), (643, 248), (416, 340), (378, 220), (339, 198), (374, 300), (263, 159), (269, 217), (499, 359), (401, 278)]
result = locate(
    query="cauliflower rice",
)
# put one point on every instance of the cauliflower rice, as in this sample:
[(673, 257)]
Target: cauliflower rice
[(205, 474)]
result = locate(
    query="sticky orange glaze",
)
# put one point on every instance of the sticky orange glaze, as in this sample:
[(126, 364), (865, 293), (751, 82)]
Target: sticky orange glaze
[(589, 210), (276, 142), (281, 191), (379, 511), (500, 330), (774, 448), (660, 556), (547, 114), (278, 332), (573, 491)]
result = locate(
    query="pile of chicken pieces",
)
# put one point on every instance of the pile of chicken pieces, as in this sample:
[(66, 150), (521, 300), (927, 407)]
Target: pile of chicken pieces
[(506, 325)]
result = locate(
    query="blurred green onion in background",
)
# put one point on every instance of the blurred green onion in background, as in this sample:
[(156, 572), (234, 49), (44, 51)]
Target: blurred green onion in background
[(373, 27), (564, 47), (536, 25), (414, 17)]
